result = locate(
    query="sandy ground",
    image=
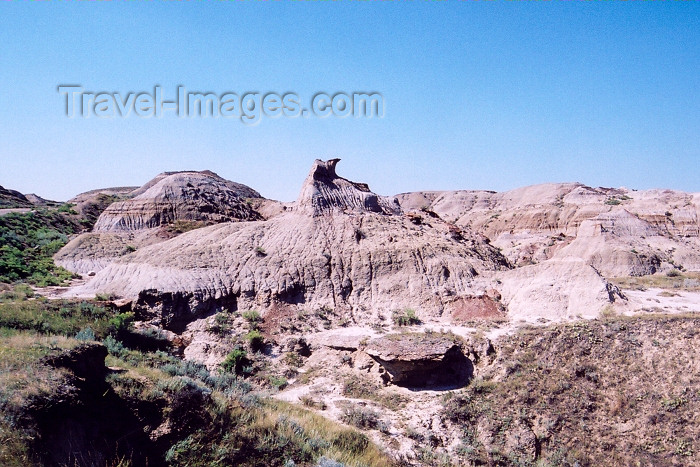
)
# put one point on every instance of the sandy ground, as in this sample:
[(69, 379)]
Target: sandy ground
[(663, 300)]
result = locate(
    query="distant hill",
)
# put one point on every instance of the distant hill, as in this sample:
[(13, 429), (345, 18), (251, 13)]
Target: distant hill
[(10, 199)]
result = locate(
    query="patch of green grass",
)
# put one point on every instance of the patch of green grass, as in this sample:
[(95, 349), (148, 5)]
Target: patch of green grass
[(215, 417), (59, 317), (674, 279), (27, 243)]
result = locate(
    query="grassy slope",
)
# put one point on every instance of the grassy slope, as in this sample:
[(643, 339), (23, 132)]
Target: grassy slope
[(29, 240), (185, 414), (619, 391)]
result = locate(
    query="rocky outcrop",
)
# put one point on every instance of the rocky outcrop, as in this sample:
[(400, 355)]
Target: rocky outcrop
[(127, 219), (180, 196), (354, 259), (421, 360), (324, 192), (93, 203), (619, 232), (556, 290)]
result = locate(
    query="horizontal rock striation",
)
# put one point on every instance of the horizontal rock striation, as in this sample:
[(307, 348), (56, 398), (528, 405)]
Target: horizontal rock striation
[(422, 360), (324, 192), (180, 196), (352, 257), (619, 232)]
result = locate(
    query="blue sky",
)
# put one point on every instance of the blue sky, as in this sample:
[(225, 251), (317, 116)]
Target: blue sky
[(479, 95)]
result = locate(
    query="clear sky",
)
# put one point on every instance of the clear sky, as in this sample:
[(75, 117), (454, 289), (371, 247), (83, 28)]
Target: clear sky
[(478, 94)]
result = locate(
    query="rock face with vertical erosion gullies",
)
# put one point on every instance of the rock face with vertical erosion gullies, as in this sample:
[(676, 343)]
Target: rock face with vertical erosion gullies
[(324, 192), (180, 196), (341, 246)]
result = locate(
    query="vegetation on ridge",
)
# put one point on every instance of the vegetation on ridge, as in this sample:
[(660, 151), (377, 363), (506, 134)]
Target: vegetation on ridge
[(29, 240), (192, 416)]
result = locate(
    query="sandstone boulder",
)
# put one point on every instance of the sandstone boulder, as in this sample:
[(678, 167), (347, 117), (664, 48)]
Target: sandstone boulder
[(422, 360)]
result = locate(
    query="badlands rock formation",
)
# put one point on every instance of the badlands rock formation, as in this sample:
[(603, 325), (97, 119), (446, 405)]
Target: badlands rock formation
[(10, 199), (545, 252), (133, 218), (324, 192), (92, 203), (180, 196), (619, 232), (567, 239), (342, 246), (417, 360)]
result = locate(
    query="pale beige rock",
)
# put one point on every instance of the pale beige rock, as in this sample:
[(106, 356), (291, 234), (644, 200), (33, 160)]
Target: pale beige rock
[(620, 232), (180, 196), (341, 246)]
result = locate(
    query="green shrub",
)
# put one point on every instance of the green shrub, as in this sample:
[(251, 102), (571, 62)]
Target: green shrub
[(278, 382), (23, 291), (120, 324), (56, 317), (360, 417), (104, 297), (67, 208), (255, 339), (86, 334), (252, 316), (236, 362), (114, 347), (351, 441), (221, 324), (29, 240), (406, 318)]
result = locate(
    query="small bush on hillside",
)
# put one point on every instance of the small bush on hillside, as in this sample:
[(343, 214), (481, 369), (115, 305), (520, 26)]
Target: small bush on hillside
[(361, 417), (405, 318), (255, 339), (252, 316), (221, 325), (236, 362), (86, 334), (120, 324)]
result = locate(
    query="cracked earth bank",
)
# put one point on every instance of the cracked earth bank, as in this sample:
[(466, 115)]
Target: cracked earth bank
[(379, 310)]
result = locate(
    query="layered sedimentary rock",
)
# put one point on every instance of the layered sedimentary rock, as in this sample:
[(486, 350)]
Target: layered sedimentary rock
[(341, 246), (180, 196), (324, 192), (421, 360), (619, 232), (130, 219), (93, 203)]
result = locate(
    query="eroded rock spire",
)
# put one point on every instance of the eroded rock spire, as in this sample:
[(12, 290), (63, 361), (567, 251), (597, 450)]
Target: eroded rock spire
[(324, 192)]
